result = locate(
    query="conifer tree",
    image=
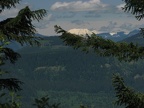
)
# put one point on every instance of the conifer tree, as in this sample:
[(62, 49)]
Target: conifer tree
[(126, 96), (16, 29), (44, 103)]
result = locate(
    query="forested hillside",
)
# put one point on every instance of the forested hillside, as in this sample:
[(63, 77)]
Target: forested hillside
[(70, 76), (137, 39)]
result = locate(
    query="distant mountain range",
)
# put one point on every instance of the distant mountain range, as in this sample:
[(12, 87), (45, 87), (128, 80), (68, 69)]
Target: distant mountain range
[(132, 36), (118, 36), (137, 39), (71, 76)]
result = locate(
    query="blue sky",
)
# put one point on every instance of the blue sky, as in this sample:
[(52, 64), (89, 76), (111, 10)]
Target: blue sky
[(98, 15)]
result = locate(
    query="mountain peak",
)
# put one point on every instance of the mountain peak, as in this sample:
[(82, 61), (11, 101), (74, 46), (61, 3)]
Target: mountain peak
[(80, 31)]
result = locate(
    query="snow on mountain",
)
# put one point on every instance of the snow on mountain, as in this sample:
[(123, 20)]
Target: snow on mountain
[(81, 32), (115, 36), (112, 33)]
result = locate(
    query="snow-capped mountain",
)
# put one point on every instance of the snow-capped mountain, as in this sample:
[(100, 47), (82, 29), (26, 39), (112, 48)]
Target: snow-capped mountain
[(118, 36), (114, 36), (81, 32)]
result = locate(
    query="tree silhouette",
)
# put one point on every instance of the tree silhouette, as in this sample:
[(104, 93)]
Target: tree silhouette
[(126, 95), (16, 29)]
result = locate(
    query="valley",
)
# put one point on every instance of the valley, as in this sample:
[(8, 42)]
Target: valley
[(71, 77)]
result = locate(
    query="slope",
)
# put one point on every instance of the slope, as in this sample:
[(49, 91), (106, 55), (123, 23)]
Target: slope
[(137, 39), (56, 69)]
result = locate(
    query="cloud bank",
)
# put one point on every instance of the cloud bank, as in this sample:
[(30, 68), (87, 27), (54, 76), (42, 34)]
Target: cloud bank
[(79, 5)]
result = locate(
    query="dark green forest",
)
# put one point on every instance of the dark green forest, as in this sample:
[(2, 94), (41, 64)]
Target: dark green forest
[(90, 77), (71, 77)]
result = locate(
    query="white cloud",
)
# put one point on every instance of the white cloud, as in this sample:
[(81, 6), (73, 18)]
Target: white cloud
[(79, 5), (9, 13), (119, 7), (80, 22), (110, 27)]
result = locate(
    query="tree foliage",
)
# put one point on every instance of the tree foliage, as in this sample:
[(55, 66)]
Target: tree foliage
[(44, 103), (16, 29), (135, 7), (12, 102), (8, 4), (103, 47), (127, 96)]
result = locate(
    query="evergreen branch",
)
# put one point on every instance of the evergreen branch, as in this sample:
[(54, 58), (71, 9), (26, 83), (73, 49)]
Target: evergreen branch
[(8, 4), (103, 47), (38, 14), (11, 84), (20, 28), (136, 7), (8, 54), (43, 102), (125, 95)]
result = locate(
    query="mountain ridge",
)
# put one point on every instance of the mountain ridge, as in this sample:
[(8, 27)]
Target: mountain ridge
[(63, 70), (119, 36)]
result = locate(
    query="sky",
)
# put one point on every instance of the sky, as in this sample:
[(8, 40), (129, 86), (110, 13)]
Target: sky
[(95, 15)]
